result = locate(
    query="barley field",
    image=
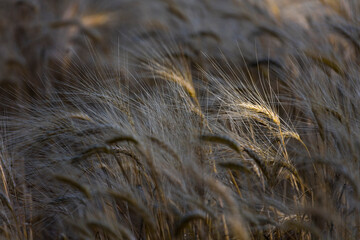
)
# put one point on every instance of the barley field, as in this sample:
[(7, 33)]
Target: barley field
[(180, 119)]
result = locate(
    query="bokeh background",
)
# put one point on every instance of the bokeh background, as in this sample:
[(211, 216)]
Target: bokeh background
[(41, 41)]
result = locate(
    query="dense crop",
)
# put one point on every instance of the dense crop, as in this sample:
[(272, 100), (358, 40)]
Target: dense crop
[(175, 119)]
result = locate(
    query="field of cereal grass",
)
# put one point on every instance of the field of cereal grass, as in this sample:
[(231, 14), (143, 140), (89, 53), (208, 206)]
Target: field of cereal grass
[(179, 119)]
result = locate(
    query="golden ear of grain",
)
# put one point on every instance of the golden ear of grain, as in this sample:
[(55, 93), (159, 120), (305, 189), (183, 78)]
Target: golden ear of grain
[(80, 116), (261, 109), (205, 33), (4, 231), (348, 32), (274, 9), (136, 205), (122, 138), (166, 148), (336, 5), (177, 12), (63, 237), (74, 184), (95, 20), (300, 225), (273, 31), (64, 23), (174, 9), (223, 140), (4, 218), (291, 134), (168, 74), (234, 166), (92, 150), (291, 169), (238, 229), (5, 201), (258, 162), (94, 225), (331, 63), (187, 219)]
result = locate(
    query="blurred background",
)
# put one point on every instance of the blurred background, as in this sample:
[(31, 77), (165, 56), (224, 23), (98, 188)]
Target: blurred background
[(42, 42)]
